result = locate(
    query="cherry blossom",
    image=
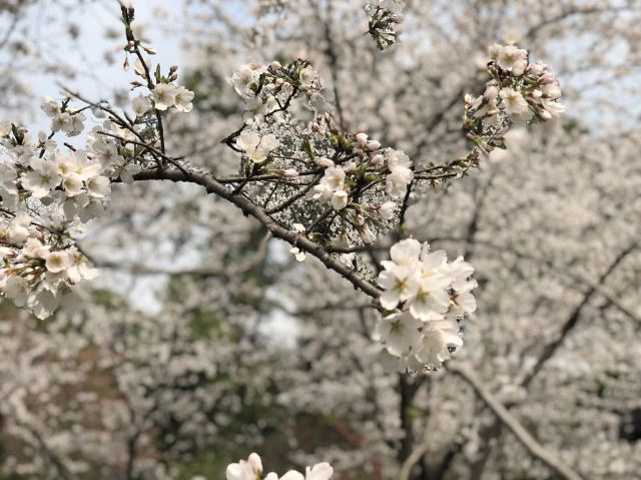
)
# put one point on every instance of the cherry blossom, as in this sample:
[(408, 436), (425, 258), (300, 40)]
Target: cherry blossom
[(252, 469), (433, 295), (320, 122)]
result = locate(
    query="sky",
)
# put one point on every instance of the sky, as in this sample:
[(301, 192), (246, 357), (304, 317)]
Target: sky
[(93, 21)]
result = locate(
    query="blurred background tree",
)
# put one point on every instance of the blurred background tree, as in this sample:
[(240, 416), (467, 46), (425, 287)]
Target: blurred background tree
[(204, 339)]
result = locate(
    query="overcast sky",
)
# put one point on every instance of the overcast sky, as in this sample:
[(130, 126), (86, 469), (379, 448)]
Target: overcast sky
[(93, 21)]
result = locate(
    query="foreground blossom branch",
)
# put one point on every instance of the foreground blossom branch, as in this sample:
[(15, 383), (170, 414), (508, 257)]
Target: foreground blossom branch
[(305, 178), (385, 17), (213, 186)]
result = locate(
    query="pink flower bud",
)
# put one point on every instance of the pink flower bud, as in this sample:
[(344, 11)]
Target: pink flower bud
[(361, 138), (490, 93), (544, 114), (288, 172), (377, 160), (372, 145), (366, 234), (548, 78), (325, 162), (350, 166)]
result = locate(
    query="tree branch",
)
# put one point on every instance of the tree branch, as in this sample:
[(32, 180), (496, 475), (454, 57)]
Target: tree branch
[(249, 208), (551, 348), (507, 419), (413, 459), (57, 463)]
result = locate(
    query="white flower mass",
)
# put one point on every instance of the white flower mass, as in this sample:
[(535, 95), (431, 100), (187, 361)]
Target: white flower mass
[(367, 239)]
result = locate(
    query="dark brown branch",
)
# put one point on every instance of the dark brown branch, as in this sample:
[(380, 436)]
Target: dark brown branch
[(249, 208)]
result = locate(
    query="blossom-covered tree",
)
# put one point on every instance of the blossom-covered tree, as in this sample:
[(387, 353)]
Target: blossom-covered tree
[(299, 163)]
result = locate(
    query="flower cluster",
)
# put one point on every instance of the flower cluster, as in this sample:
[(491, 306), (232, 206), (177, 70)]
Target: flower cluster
[(400, 172), (268, 89), (519, 90), (167, 95), (427, 295), (46, 196), (105, 144), (291, 165), (62, 119), (384, 18), (252, 469), (332, 186), (164, 94), (339, 181), (351, 173)]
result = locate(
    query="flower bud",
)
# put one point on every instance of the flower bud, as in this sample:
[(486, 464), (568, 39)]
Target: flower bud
[(548, 78), (361, 138), (490, 92), (386, 211), (325, 162), (289, 172), (544, 114), (377, 159), (350, 166), (536, 68), (366, 234), (373, 145)]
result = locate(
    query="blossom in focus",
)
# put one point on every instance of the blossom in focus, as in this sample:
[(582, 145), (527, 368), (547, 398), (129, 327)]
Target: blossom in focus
[(400, 175), (249, 469), (256, 148), (182, 99), (512, 59), (332, 188), (431, 294), (514, 101), (42, 178), (245, 78), (164, 96)]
